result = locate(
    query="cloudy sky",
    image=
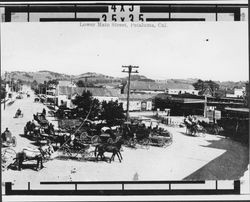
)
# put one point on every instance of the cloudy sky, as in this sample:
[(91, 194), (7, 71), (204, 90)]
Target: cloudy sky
[(211, 50)]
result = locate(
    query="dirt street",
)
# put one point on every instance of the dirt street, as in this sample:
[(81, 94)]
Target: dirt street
[(188, 158)]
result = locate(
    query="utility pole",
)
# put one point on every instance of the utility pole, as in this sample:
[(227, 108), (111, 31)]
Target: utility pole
[(205, 107), (129, 71)]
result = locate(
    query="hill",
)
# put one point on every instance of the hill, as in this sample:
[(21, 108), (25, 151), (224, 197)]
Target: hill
[(138, 77), (40, 76), (92, 77), (97, 78)]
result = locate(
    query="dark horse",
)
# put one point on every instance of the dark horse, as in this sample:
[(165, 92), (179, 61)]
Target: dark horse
[(113, 148), (28, 154)]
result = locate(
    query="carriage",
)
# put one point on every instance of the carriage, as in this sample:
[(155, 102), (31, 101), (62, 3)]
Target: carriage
[(10, 141), (18, 114), (74, 147), (160, 137), (19, 96), (8, 153), (7, 157), (138, 134), (211, 128), (160, 141), (194, 128), (40, 118)]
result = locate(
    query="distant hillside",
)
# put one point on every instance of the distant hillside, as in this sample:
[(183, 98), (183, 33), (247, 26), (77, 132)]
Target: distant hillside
[(230, 85), (93, 77), (39, 76), (103, 80), (138, 77)]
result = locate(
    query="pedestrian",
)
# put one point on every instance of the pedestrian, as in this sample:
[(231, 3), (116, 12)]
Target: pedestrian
[(3, 137), (51, 129), (44, 112)]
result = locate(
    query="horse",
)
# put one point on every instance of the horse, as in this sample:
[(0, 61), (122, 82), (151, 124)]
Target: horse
[(32, 129), (28, 154), (191, 127), (113, 148), (29, 127)]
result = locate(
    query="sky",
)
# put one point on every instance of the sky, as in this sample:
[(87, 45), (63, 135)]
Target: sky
[(210, 50)]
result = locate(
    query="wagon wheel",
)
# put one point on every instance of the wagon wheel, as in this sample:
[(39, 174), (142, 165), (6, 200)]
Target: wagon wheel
[(73, 153), (216, 131), (8, 157), (87, 154), (13, 141), (131, 143), (110, 141), (95, 139), (83, 136), (66, 151), (146, 143), (168, 143), (161, 143), (3, 163)]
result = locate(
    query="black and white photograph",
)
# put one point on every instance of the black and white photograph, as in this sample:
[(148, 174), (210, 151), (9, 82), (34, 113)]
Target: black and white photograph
[(124, 101)]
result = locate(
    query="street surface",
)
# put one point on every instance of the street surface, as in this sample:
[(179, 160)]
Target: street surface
[(208, 157)]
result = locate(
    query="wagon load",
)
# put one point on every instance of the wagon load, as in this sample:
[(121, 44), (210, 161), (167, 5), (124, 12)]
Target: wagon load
[(30, 152), (68, 124), (160, 141)]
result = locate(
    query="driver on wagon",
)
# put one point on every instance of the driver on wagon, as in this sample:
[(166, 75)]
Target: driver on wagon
[(18, 111), (6, 135)]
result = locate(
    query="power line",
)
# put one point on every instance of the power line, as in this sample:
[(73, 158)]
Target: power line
[(129, 71)]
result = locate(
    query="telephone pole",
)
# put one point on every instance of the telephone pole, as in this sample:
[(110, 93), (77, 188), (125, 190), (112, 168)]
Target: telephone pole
[(129, 71)]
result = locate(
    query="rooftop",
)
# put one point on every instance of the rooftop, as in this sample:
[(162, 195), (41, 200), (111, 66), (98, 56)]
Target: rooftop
[(136, 96), (102, 92), (64, 83), (153, 86)]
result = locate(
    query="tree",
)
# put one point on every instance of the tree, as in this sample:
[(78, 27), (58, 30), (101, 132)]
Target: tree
[(81, 83), (86, 106), (112, 112), (53, 82), (201, 85), (42, 88), (34, 86)]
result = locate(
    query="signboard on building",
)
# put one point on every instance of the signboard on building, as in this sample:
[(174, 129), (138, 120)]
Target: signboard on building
[(210, 115), (217, 114), (143, 106)]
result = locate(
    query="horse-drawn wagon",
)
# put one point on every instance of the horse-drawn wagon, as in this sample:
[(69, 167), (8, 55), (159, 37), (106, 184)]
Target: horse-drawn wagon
[(8, 140), (7, 153), (194, 128), (138, 134), (41, 119), (7, 157)]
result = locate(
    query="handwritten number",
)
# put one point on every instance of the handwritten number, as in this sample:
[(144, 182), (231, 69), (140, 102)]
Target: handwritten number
[(131, 8), (104, 17), (113, 7), (131, 17)]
